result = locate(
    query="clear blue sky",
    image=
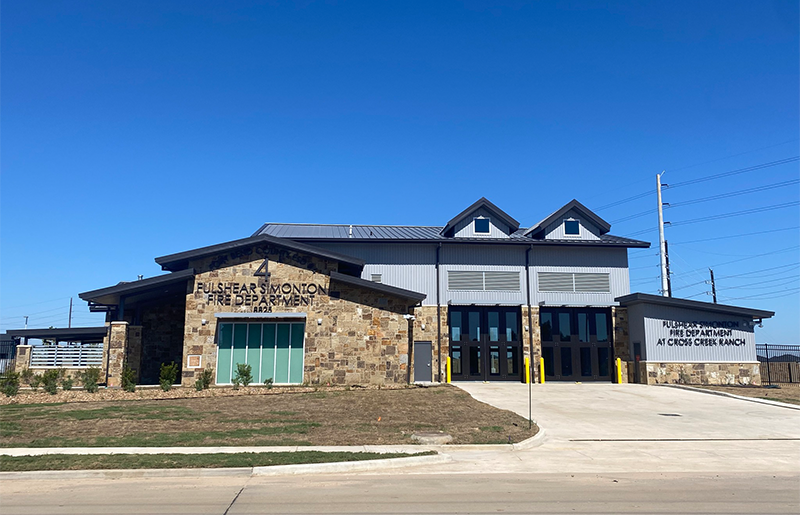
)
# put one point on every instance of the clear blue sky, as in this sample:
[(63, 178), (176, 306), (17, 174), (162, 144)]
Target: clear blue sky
[(136, 129)]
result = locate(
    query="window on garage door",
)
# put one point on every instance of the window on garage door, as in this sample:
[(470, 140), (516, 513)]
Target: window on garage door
[(273, 350)]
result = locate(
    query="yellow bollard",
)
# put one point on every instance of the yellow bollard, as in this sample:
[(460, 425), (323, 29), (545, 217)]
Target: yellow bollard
[(527, 370), (541, 370), (449, 370), (619, 371)]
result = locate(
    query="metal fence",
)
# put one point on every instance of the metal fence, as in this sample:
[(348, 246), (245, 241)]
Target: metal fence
[(85, 355), (779, 363)]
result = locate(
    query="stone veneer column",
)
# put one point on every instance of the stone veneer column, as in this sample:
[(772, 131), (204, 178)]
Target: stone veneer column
[(426, 315), (133, 350), (116, 353), (532, 339), (619, 321), (23, 358)]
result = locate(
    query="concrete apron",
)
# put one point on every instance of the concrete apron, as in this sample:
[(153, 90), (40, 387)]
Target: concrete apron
[(603, 427)]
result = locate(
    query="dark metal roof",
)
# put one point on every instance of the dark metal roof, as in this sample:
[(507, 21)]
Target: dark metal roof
[(181, 259), (646, 298), (577, 206), (482, 202), (111, 294), (412, 234), (380, 287), (73, 334)]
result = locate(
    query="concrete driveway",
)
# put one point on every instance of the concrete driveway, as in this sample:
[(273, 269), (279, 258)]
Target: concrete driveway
[(603, 427)]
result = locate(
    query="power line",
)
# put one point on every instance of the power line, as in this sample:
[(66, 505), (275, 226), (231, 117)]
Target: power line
[(785, 293), (780, 251), (747, 286), (793, 265), (672, 244), (733, 155), (724, 215)]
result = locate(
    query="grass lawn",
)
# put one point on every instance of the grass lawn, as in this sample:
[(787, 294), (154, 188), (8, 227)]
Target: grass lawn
[(789, 393), (169, 461), (354, 417)]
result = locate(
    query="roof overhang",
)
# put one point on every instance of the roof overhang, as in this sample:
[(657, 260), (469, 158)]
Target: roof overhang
[(181, 260), (72, 334), (378, 287), (577, 206), (146, 289), (646, 298), (483, 202)]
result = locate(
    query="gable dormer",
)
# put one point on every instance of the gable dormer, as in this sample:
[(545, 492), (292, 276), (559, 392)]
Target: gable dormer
[(572, 221), (481, 220)]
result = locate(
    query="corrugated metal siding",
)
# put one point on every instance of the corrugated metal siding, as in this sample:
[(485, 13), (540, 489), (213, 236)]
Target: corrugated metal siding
[(654, 318), (497, 229), (480, 255), (486, 280), (555, 231), (485, 297)]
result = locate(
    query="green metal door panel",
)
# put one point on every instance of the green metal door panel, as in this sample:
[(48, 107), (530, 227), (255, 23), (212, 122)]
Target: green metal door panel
[(268, 352), (282, 355), (224, 353), (254, 350), (239, 345), (296, 354)]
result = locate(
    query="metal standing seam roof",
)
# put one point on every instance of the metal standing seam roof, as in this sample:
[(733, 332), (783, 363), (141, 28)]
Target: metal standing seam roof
[(404, 233), (646, 298)]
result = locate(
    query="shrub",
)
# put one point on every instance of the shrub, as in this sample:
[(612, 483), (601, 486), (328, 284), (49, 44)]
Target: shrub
[(89, 379), (50, 380), (9, 383), (168, 376), (244, 375), (26, 376), (204, 381), (35, 381), (128, 379), (268, 383), (67, 383)]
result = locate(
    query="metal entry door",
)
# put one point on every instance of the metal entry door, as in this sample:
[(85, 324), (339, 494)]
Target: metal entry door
[(485, 343), (576, 344), (423, 352)]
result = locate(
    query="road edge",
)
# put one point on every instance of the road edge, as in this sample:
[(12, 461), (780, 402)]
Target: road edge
[(733, 396)]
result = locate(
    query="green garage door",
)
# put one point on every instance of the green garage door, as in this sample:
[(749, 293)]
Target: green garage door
[(273, 350)]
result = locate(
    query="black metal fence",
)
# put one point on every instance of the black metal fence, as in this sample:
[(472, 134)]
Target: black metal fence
[(779, 363)]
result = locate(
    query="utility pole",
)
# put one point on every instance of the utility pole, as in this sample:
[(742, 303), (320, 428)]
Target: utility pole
[(26, 321), (713, 286), (665, 289), (669, 276), (70, 313)]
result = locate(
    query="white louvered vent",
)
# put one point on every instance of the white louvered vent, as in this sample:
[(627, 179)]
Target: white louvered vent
[(573, 282), (555, 281), (377, 278), (501, 281), (463, 280), (592, 283)]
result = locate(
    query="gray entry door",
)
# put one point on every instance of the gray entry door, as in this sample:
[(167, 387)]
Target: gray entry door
[(422, 361)]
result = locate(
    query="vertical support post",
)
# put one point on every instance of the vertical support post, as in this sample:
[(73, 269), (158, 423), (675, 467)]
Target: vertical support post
[(769, 376), (449, 369), (713, 286), (662, 244), (70, 313), (541, 370), (527, 369), (619, 371)]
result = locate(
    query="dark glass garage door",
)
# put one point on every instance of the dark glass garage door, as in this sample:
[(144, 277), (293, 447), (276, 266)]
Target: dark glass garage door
[(576, 344), (485, 343), (273, 350)]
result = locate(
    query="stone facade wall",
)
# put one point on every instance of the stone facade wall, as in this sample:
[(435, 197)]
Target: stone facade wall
[(116, 351), (700, 373), (23, 358), (162, 337), (426, 316), (352, 335), (532, 340)]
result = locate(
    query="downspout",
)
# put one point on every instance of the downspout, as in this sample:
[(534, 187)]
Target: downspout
[(438, 319), (530, 316)]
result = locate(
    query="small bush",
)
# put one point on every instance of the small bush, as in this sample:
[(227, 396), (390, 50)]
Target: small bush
[(168, 376), (268, 383), (26, 376), (90, 378), (128, 379), (9, 383), (204, 381), (50, 380), (244, 375), (35, 382), (67, 383)]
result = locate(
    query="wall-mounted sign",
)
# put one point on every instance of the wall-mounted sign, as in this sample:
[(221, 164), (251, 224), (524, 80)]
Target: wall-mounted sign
[(260, 297), (700, 334), (194, 361)]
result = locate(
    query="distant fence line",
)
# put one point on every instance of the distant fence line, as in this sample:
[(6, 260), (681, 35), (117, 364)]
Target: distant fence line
[(86, 355), (779, 363)]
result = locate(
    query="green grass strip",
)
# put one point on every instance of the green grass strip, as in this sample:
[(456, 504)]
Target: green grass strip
[(171, 461)]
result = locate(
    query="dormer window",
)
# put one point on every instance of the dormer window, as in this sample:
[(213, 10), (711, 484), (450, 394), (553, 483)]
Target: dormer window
[(481, 225), (572, 228)]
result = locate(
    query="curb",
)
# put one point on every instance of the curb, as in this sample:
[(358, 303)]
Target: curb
[(277, 470), (351, 466), (534, 441), (734, 396)]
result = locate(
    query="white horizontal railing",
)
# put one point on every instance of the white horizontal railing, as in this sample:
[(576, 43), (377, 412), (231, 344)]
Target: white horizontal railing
[(87, 355)]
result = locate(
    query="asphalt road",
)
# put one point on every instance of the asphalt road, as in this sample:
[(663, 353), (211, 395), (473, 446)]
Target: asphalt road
[(672, 493)]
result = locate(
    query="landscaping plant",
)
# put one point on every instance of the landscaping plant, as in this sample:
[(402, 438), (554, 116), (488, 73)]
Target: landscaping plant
[(67, 383), (90, 378), (128, 379), (9, 383), (50, 380), (268, 383), (35, 381), (204, 381), (26, 376), (244, 375), (168, 375)]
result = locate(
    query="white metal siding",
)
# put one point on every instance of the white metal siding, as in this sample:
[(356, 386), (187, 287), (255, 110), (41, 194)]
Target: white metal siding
[(555, 231), (465, 228)]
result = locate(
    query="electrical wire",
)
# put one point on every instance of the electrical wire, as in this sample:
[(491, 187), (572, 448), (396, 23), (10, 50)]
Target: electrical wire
[(672, 244), (743, 274), (772, 295), (780, 251)]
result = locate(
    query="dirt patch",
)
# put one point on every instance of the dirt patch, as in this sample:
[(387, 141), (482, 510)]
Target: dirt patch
[(322, 417), (788, 393)]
